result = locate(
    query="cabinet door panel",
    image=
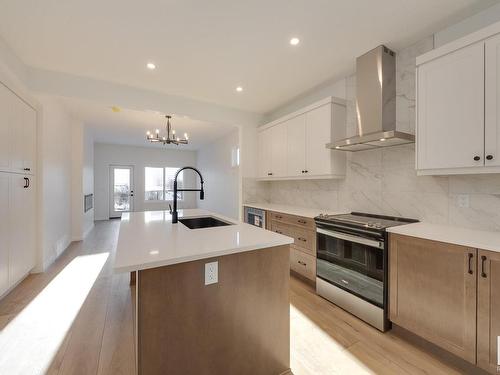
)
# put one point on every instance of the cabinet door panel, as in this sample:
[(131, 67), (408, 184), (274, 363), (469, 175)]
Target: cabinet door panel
[(278, 150), (450, 111), (432, 293), (296, 145), (29, 149), (488, 309), (22, 251), (4, 230), (318, 134), (5, 128), (264, 157), (492, 102)]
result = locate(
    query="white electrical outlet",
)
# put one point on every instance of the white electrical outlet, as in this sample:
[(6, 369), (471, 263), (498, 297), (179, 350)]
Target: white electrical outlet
[(463, 200), (211, 273)]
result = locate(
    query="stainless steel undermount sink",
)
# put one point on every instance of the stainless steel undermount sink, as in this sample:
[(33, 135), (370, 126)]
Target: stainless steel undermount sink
[(203, 222)]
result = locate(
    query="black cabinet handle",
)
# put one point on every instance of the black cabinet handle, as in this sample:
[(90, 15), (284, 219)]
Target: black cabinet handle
[(477, 158), (483, 260), (489, 157), (26, 182), (27, 169), (302, 221), (302, 239), (471, 256), (279, 217), (269, 173), (278, 231), (301, 263), (302, 171), (306, 171)]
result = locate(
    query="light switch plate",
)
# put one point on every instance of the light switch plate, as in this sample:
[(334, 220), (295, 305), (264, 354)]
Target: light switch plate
[(463, 200), (211, 273)]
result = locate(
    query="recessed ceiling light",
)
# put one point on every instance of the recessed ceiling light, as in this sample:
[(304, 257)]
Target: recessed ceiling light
[(294, 41), (239, 89), (151, 66)]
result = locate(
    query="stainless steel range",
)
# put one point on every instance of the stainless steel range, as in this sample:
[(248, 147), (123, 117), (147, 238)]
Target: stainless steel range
[(352, 263)]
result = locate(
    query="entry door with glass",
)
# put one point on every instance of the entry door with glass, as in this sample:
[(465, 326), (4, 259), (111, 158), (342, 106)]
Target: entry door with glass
[(122, 190)]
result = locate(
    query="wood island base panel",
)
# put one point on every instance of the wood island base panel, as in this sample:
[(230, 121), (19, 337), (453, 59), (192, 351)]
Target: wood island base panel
[(240, 325)]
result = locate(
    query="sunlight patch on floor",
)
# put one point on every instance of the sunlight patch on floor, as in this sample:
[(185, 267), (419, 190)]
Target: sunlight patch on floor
[(30, 341), (315, 352)]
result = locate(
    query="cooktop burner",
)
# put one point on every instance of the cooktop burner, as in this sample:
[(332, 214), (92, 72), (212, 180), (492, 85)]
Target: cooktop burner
[(359, 219)]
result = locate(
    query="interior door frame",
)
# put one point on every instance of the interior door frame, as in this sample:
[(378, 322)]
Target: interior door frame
[(111, 212)]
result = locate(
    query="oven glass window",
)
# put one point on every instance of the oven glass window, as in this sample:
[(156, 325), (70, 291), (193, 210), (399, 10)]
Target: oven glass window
[(354, 267)]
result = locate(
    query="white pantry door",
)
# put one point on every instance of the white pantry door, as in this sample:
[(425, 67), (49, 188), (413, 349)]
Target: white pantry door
[(121, 197)]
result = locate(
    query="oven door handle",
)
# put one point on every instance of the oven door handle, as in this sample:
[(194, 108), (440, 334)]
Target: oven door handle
[(351, 238)]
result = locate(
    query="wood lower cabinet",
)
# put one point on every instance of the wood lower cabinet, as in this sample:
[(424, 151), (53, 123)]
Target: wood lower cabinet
[(432, 289), (488, 309), (303, 250)]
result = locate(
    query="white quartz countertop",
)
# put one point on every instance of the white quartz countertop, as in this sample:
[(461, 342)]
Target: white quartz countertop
[(149, 239), (480, 239), (292, 210)]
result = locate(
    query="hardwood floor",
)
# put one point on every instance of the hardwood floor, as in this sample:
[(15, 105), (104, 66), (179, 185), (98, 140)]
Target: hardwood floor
[(98, 336)]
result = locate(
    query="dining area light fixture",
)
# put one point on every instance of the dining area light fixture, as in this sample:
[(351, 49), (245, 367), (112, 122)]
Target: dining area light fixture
[(169, 138)]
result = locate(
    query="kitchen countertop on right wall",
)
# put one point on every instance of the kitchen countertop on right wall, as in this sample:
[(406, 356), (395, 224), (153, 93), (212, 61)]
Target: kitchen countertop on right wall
[(480, 239)]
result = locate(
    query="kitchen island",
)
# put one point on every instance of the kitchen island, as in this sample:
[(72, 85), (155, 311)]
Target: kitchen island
[(197, 317)]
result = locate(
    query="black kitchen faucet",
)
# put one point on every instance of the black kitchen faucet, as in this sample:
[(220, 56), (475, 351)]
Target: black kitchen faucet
[(202, 192)]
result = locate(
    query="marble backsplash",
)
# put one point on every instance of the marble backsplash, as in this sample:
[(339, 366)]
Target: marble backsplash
[(384, 181)]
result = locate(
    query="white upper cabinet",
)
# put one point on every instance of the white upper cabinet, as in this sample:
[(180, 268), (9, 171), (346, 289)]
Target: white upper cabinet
[(298, 143), (17, 133), (278, 150), (451, 110), (458, 106), (492, 102), (296, 146)]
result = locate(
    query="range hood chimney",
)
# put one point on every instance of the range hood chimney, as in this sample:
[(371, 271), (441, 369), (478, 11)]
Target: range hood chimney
[(375, 104)]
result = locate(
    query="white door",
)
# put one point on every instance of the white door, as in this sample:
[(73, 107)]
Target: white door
[(296, 146), (4, 230), (264, 148), (450, 113), (318, 134), (121, 197), (29, 136), (5, 128), (492, 102), (22, 227), (278, 150)]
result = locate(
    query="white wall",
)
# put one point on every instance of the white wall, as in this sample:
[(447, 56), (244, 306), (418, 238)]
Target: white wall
[(82, 180), (222, 180), (88, 178), (468, 25), (106, 155), (55, 160)]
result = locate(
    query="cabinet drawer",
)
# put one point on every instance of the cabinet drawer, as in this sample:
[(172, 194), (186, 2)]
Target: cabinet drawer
[(300, 221), (303, 263), (304, 239)]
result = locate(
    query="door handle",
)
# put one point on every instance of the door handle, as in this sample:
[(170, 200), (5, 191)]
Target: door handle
[(471, 256), (483, 260)]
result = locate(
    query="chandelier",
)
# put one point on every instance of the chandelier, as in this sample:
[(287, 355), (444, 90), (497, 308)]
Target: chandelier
[(167, 140)]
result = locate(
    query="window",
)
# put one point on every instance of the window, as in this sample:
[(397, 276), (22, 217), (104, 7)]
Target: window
[(159, 183)]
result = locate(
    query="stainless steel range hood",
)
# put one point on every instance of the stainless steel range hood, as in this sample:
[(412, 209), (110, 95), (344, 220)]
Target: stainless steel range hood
[(375, 104)]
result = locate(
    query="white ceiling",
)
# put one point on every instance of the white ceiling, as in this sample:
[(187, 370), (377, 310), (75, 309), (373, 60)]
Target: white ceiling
[(204, 49), (129, 127)]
